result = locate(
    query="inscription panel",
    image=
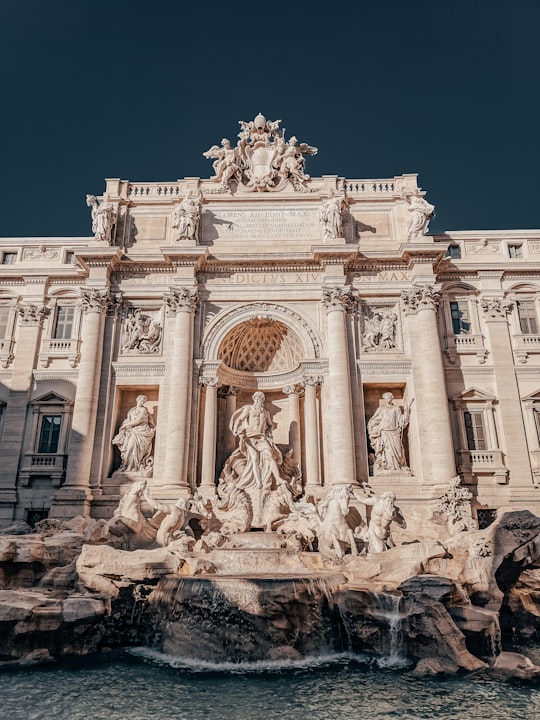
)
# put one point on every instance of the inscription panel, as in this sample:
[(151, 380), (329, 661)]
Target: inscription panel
[(248, 225)]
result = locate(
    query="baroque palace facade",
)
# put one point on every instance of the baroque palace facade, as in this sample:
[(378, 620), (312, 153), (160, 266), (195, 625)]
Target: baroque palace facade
[(388, 357)]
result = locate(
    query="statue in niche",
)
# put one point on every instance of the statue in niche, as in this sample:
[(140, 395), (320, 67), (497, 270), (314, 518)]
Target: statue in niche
[(103, 218), (142, 332), (421, 213), (330, 215), (186, 217), (135, 440), (385, 430), (384, 512), (379, 330), (257, 466)]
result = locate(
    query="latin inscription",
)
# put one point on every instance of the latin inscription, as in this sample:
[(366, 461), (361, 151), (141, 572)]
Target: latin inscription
[(260, 225)]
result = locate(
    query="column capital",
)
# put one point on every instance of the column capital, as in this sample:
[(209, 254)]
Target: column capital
[(293, 390), (97, 300), (30, 314), (209, 381), (311, 380), (337, 298), (496, 308), (182, 299), (421, 297)]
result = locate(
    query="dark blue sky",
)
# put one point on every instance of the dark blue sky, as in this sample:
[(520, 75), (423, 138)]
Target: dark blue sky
[(138, 90)]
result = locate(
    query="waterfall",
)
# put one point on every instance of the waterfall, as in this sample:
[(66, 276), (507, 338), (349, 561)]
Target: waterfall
[(390, 610)]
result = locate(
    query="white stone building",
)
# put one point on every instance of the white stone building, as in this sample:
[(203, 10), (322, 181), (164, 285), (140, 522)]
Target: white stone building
[(324, 293)]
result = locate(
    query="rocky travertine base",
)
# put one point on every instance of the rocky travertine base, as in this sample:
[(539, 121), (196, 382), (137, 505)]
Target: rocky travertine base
[(63, 590)]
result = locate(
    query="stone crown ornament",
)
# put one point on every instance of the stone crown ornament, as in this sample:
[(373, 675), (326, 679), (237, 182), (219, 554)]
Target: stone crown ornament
[(262, 159)]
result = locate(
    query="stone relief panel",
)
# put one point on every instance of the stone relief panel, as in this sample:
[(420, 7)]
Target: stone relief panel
[(142, 332), (381, 331)]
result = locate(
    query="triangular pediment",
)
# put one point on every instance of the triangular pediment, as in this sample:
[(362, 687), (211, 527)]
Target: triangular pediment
[(474, 394), (51, 398), (533, 396)]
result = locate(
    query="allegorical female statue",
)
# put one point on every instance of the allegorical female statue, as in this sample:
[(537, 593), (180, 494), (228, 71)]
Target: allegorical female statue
[(385, 430), (135, 439)]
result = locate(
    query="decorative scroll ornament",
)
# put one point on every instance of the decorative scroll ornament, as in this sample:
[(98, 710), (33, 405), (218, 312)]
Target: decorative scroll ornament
[(181, 299), (496, 308), (94, 300), (262, 160), (31, 314), (337, 298), (421, 213), (103, 218), (421, 297)]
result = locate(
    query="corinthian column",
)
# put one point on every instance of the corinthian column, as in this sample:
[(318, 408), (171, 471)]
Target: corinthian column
[(312, 475), (432, 412), (293, 393), (208, 470), (29, 317), (339, 419), (74, 496), (182, 302), (517, 458)]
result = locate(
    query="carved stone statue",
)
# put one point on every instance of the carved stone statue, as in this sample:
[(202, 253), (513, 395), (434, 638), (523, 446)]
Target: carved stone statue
[(257, 465), (135, 440), (142, 332), (261, 160), (227, 164), (186, 217), (330, 215), (103, 218), (383, 512), (170, 520), (421, 213), (385, 430)]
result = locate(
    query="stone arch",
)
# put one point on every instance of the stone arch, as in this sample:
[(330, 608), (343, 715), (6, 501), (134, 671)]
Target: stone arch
[(298, 339)]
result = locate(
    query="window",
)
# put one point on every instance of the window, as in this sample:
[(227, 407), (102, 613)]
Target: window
[(49, 433), (35, 516), (70, 257), (515, 251), (4, 317), (454, 251), (536, 413), (527, 317), (474, 429), (459, 311), (64, 323), (9, 258)]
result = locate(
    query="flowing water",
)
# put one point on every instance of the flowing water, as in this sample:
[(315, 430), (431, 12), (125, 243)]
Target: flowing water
[(148, 686)]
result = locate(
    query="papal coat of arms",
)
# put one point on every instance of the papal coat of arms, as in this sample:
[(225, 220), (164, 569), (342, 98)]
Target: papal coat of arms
[(262, 159)]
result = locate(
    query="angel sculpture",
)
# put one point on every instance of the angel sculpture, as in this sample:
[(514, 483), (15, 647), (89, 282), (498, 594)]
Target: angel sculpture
[(226, 164), (290, 161)]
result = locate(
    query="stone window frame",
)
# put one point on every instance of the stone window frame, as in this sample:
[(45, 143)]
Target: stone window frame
[(473, 462), (524, 344), (531, 417), (53, 348), (12, 254), (37, 463), (7, 342), (464, 343)]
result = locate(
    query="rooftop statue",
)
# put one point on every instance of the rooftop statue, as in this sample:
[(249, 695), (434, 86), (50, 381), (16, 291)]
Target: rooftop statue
[(262, 159), (421, 213), (103, 218)]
